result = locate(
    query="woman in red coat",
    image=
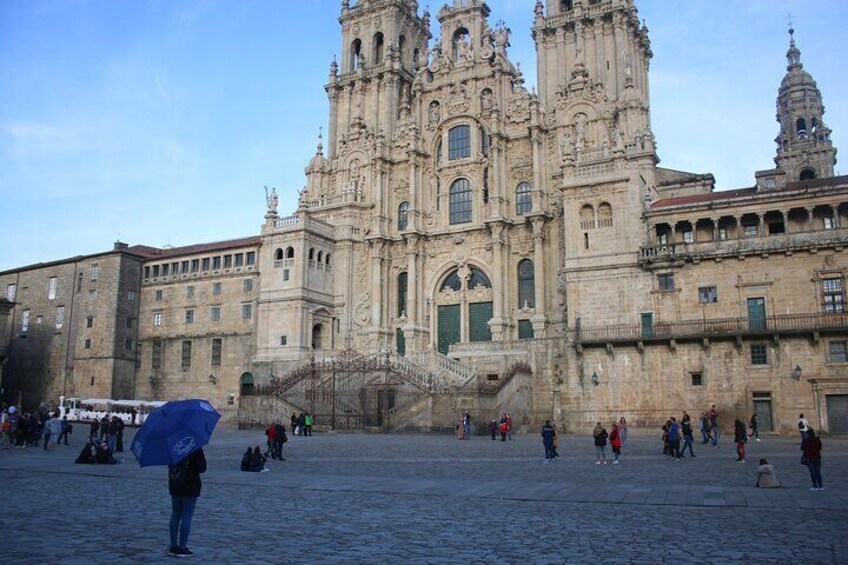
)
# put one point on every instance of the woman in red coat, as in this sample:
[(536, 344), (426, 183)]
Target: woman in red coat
[(615, 442)]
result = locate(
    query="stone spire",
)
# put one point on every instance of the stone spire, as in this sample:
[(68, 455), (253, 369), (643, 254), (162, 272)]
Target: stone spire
[(804, 148)]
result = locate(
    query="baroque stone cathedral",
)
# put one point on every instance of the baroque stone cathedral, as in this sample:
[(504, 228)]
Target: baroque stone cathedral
[(464, 244)]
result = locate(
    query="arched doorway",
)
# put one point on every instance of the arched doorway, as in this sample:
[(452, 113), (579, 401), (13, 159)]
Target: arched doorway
[(246, 384), (464, 308), (317, 331)]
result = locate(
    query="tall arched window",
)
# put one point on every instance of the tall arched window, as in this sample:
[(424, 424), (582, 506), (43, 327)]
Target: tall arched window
[(807, 174), (523, 199), (403, 216), (801, 127), (402, 48), (604, 215), (290, 253), (526, 284), (402, 281), (459, 142), (378, 48), (587, 217), (355, 54), (460, 202), (278, 255)]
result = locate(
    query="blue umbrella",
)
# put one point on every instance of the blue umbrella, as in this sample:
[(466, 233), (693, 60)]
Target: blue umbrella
[(174, 431)]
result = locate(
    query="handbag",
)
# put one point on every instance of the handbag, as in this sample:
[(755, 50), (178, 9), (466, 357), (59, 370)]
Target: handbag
[(804, 460)]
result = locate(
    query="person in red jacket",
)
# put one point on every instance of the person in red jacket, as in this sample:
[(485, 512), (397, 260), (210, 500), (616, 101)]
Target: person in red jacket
[(812, 446), (615, 443)]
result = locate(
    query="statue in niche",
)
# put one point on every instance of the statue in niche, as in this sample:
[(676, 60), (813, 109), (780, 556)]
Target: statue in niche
[(463, 48), (353, 174), (566, 144), (486, 100), (271, 200), (628, 71), (580, 121), (435, 113)]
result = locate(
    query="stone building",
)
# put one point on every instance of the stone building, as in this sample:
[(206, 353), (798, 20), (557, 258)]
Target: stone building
[(465, 244)]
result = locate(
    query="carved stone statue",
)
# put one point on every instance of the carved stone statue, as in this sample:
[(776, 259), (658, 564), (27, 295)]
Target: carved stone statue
[(435, 113), (271, 200), (486, 99)]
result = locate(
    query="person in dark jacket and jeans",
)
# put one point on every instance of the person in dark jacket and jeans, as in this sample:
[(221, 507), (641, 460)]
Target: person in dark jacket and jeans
[(812, 446), (184, 487), (548, 432)]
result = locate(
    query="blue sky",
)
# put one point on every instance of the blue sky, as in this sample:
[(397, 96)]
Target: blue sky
[(160, 121)]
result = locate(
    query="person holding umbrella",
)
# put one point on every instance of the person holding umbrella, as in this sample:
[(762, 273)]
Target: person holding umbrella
[(174, 435)]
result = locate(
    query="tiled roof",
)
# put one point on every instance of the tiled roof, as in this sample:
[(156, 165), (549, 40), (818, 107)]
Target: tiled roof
[(708, 197), (153, 253)]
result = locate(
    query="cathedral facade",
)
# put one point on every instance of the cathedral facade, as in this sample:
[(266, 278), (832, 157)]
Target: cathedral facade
[(465, 244)]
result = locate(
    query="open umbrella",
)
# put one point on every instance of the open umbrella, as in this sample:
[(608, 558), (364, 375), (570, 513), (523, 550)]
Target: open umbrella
[(171, 433)]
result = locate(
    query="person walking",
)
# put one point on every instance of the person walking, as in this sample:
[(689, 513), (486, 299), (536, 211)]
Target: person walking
[(740, 436), (184, 486), (66, 429), (755, 431), (811, 447), (705, 429), (615, 443), (766, 478), (548, 433), (674, 439), (600, 435), (622, 429), (686, 430), (279, 439), (803, 426)]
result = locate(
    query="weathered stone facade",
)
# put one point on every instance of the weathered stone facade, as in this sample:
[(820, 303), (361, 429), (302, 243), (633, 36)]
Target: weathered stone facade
[(506, 250)]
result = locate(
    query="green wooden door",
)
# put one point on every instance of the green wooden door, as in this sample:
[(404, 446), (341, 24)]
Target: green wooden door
[(479, 315), (756, 314), (401, 342), (647, 325), (448, 333)]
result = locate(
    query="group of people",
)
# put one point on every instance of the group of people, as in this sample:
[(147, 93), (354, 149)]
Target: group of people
[(110, 428), (275, 435), (253, 461), (301, 424), (32, 429), (96, 452), (615, 438), (502, 426)]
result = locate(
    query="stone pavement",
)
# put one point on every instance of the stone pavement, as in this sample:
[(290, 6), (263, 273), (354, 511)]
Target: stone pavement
[(365, 498)]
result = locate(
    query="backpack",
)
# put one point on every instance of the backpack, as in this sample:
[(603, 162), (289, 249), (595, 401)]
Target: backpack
[(285, 437), (800, 425)]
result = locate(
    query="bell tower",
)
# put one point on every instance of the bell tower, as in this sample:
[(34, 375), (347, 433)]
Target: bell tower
[(381, 40), (804, 148)]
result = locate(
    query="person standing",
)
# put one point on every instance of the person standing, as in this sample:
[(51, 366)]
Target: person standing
[(600, 435), (293, 423), (66, 429), (466, 426), (615, 443), (622, 429), (740, 436), (95, 428), (803, 426), (119, 434), (548, 440), (705, 429), (184, 486), (674, 439), (755, 431), (812, 446), (493, 428), (307, 424), (686, 429), (508, 427), (104, 426), (279, 439), (713, 415)]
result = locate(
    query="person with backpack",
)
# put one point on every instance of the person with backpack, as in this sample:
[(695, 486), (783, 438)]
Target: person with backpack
[(600, 434), (280, 438), (184, 486)]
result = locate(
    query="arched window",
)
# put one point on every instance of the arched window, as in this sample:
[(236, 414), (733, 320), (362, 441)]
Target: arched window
[(604, 215), (311, 253), (807, 174), (478, 278), (278, 255), (327, 259), (814, 125), (459, 142), (452, 282), (403, 215), (378, 48), (355, 54), (526, 284), (320, 256), (566, 5), (460, 202), (801, 128), (317, 330), (439, 151), (461, 44), (523, 199), (290, 253), (402, 281), (587, 217), (402, 48)]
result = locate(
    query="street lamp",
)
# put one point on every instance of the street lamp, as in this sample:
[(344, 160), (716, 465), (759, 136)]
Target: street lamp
[(212, 379), (595, 380), (797, 372)]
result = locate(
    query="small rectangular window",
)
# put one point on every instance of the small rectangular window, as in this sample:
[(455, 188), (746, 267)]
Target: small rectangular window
[(11, 292), (206, 263), (186, 354), (88, 344), (216, 288), (228, 261), (828, 223), (131, 295), (52, 284), (195, 265), (216, 313), (158, 295), (525, 329), (155, 271), (92, 295), (707, 295), (662, 239), (284, 340), (189, 316), (128, 344), (156, 355), (251, 257), (24, 321), (217, 345), (165, 268), (833, 295), (189, 291), (688, 236), (665, 281), (239, 259), (60, 317), (838, 351), (89, 322), (184, 267), (697, 379), (750, 231), (157, 318), (722, 234), (285, 274), (246, 311), (216, 262), (146, 273), (248, 285), (95, 271), (130, 323), (759, 354)]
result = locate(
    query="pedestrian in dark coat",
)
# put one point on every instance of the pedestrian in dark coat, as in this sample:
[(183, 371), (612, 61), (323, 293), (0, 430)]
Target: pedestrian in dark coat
[(812, 446), (184, 486), (548, 432), (493, 428), (740, 436)]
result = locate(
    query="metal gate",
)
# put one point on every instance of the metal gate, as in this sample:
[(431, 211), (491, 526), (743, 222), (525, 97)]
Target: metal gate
[(352, 391), (837, 413)]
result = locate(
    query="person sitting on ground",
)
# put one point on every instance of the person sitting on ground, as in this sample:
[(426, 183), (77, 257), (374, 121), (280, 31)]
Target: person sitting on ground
[(257, 461), (85, 457), (766, 477), (245, 460), (104, 454)]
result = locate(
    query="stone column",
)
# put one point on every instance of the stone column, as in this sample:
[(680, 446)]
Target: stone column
[(376, 283), (535, 140), (498, 324), (810, 225), (715, 229), (539, 318), (414, 204)]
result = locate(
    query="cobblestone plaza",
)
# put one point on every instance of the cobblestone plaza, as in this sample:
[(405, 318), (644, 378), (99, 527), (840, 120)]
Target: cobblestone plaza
[(359, 498)]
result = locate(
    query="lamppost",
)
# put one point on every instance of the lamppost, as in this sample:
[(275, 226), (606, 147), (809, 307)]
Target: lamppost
[(595, 379), (796, 373)]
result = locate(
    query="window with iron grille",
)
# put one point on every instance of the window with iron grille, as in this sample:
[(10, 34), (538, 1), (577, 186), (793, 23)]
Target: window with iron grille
[(665, 281), (759, 354), (217, 344), (189, 316), (460, 202), (523, 199), (838, 351), (156, 355), (186, 354), (697, 379), (707, 295), (403, 215), (833, 294), (526, 284), (459, 142)]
